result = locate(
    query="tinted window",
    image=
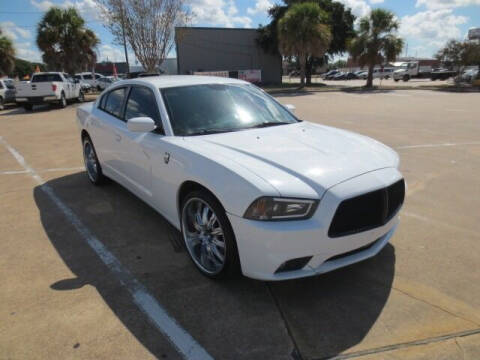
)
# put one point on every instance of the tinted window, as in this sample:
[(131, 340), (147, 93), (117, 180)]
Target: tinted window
[(9, 84), (141, 102), (88, 77), (221, 108), (114, 101), (46, 78), (1, 85), (78, 77), (97, 76)]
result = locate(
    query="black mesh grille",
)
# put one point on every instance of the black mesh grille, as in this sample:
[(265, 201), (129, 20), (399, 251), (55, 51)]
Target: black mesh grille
[(367, 211)]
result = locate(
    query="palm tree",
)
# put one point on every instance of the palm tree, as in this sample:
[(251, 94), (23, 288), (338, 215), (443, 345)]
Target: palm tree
[(66, 44), (376, 41), (7, 55), (302, 32)]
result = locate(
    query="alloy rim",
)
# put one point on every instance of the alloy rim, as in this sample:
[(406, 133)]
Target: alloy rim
[(204, 236), (90, 161)]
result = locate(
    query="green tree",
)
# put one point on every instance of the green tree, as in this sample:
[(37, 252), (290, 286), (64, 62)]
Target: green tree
[(7, 55), (65, 42), (340, 20), (376, 41), (459, 53), (24, 67), (302, 32)]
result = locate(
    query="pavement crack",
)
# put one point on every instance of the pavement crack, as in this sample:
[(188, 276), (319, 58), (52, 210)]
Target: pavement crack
[(460, 347), (296, 354), (435, 306), (393, 347)]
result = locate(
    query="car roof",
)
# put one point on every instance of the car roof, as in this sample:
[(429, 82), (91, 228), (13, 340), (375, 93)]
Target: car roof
[(165, 81)]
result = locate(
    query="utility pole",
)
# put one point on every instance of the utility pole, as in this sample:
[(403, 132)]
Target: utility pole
[(125, 41)]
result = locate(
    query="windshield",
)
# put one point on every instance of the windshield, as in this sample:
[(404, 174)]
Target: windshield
[(202, 109), (9, 84)]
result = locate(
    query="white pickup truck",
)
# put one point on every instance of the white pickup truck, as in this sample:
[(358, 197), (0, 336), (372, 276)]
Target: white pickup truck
[(48, 87)]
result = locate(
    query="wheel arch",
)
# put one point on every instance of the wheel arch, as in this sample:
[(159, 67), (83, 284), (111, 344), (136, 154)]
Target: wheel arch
[(186, 188)]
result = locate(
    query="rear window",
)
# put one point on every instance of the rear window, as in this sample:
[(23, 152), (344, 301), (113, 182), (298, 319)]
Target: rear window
[(87, 77), (46, 78)]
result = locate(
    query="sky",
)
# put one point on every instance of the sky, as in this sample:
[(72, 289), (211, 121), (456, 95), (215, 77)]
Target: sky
[(425, 24)]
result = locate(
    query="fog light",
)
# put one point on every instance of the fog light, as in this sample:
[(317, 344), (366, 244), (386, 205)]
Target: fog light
[(293, 264)]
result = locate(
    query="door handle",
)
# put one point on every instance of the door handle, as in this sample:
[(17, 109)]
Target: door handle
[(118, 137)]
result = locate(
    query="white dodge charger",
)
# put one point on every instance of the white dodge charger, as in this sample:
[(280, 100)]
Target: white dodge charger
[(250, 186)]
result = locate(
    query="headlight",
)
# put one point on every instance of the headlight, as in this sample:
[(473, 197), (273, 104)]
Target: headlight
[(270, 208)]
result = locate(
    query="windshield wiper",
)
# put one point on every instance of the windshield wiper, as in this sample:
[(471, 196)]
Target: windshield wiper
[(211, 131), (268, 124)]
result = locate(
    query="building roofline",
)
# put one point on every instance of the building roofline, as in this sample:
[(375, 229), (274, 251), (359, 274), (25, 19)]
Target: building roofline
[(213, 28)]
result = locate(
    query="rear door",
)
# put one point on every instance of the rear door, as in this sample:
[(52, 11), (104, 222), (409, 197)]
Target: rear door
[(107, 134)]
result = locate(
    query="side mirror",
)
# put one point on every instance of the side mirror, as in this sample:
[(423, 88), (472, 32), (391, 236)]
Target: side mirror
[(291, 108), (141, 124)]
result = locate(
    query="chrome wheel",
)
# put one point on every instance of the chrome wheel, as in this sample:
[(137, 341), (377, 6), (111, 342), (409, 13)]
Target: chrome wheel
[(203, 235), (90, 159)]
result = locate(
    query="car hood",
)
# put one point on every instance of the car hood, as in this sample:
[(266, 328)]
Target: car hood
[(301, 159)]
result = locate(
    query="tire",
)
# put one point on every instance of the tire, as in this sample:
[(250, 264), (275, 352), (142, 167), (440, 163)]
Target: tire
[(208, 241), (81, 97), (63, 101), (28, 107), (406, 78), (1, 103), (396, 80), (92, 165)]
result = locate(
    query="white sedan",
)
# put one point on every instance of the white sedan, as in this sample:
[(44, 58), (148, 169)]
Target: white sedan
[(250, 186)]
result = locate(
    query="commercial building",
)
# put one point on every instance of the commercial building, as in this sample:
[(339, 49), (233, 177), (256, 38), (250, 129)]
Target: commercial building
[(227, 51)]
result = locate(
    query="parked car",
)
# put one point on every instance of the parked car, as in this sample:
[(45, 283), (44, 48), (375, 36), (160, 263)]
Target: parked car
[(48, 87), (7, 92), (469, 75), (250, 186), (104, 82), (90, 78), (338, 76), (329, 75), (362, 75), (442, 74)]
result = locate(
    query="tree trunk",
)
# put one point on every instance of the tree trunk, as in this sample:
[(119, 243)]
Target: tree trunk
[(303, 61), (370, 75), (308, 70)]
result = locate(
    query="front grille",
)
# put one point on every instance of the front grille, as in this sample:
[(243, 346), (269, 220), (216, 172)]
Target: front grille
[(367, 211)]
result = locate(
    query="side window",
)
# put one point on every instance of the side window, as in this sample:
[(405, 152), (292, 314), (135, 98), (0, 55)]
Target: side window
[(113, 102), (87, 77), (1, 85), (142, 102)]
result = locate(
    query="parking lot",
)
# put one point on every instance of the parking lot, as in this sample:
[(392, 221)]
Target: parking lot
[(376, 82), (418, 299)]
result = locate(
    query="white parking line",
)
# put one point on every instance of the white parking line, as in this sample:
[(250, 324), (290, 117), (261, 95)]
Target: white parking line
[(180, 339), (437, 145), (15, 172)]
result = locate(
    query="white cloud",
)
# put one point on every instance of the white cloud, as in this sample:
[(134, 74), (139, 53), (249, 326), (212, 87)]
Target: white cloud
[(218, 13), (13, 31), (359, 8), (89, 9), (445, 4), (261, 7), (376, 1), (432, 27), (27, 51), (110, 53), (42, 5)]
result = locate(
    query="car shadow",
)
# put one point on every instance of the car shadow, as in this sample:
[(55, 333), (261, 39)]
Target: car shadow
[(236, 319)]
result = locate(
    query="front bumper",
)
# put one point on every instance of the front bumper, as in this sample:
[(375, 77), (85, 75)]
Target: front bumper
[(264, 246)]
